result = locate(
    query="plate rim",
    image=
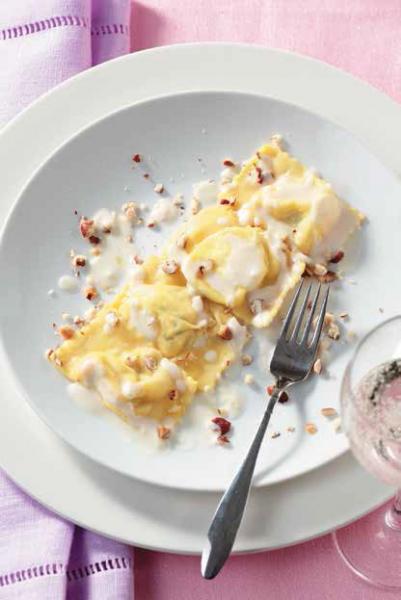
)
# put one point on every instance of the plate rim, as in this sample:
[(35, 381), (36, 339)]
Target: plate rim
[(17, 126)]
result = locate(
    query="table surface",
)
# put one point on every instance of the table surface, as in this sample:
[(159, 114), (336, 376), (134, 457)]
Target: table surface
[(362, 37)]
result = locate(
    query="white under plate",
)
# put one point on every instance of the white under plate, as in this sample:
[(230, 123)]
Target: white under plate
[(119, 506)]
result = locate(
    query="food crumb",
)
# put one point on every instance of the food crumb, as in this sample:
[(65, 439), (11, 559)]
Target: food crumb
[(310, 428), (249, 379), (163, 433), (246, 359), (66, 332), (329, 412), (337, 425), (290, 429), (317, 367), (159, 188), (276, 434)]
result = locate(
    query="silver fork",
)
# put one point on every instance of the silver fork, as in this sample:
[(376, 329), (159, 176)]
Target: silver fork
[(292, 362)]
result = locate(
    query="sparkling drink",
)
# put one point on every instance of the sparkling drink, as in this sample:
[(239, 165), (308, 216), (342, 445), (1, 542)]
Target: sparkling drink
[(373, 422)]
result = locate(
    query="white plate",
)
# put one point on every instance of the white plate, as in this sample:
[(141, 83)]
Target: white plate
[(108, 502), (93, 171)]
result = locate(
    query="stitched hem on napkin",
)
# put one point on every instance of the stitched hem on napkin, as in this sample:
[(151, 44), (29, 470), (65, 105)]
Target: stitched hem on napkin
[(71, 574), (61, 21)]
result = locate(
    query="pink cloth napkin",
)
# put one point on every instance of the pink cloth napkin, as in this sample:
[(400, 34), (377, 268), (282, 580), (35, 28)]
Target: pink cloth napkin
[(43, 557)]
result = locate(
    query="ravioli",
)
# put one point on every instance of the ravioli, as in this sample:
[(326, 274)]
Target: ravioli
[(183, 318)]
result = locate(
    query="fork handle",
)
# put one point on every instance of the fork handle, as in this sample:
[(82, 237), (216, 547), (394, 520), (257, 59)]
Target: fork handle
[(227, 518)]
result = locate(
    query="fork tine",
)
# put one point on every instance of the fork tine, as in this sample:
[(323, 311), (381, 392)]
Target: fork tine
[(301, 314), (291, 310), (320, 321), (308, 325)]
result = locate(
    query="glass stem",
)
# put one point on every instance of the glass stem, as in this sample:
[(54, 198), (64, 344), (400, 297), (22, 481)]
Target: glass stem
[(393, 514)]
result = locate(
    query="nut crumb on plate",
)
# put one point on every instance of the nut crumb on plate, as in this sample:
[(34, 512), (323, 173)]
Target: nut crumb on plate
[(246, 359), (310, 428), (329, 412), (169, 266), (225, 333), (78, 260), (66, 332), (222, 440), (221, 424), (205, 267), (275, 434), (195, 206), (163, 433), (317, 367), (249, 379), (159, 188), (333, 331), (90, 293)]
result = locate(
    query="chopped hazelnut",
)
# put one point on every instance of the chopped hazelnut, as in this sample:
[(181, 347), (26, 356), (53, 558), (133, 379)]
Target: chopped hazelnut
[(256, 306), (159, 188), (96, 251), (225, 333), (320, 270), (276, 434), (182, 242), (79, 260), (195, 206), (205, 267), (170, 267), (94, 240), (310, 428), (163, 432), (327, 277), (333, 331), (339, 255), (329, 412), (86, 227), (66, 332), (246, 359), (50, 354), (317, 367), (129, 209), (150, 363), (222, 425), (90, 293), (249, 379)]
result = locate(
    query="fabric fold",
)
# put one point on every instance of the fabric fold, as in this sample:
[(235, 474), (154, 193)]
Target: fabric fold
[(42, 556)]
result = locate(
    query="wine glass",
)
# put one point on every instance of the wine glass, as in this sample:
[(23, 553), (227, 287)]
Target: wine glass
[(371, 413)]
